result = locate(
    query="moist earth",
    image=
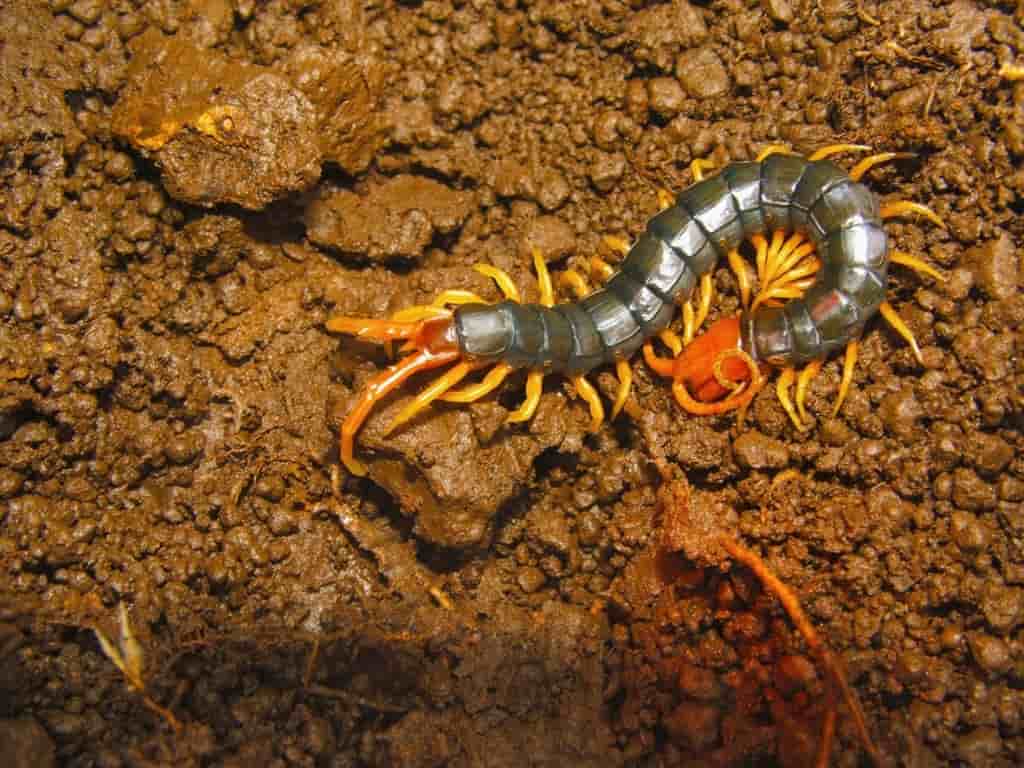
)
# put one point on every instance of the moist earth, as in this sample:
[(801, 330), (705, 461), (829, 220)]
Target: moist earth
[(189, 190)]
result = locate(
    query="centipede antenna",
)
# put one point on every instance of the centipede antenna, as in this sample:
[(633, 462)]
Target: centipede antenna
[(901, 207), (901, 328), (534, 386), (836, 149), (625, 374), (916, 264), (378, 388), (849, 362), (586, 390)]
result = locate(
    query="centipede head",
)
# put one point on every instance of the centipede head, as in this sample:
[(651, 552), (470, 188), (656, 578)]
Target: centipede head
[(695, 366)]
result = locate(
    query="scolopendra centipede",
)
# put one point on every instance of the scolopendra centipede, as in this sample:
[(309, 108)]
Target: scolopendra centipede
[(831, 296)]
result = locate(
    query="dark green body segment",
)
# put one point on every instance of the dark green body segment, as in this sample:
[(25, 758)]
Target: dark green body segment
[(683, 243)]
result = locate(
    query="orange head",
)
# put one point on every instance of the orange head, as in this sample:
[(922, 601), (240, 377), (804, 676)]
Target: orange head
[(696, 365)]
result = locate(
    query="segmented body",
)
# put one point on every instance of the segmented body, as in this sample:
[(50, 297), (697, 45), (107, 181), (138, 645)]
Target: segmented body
[(683, 243)]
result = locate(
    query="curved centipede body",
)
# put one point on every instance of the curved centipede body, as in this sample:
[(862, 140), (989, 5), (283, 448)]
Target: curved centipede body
[(832, 273)]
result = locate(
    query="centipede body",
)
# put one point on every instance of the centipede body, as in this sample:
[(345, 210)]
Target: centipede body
[(684, 242)]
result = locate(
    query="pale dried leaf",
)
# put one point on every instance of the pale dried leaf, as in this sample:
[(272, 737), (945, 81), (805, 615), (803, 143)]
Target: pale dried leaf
[(134, 656)]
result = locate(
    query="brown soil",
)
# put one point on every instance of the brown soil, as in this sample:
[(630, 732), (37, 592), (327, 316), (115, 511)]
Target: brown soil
[(189, 189)]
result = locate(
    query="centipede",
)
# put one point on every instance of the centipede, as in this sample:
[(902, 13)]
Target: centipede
[(822, 262)]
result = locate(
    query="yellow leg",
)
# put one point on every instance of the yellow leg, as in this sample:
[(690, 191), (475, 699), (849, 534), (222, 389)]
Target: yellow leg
[(665, 199), (490, 382), (742, 271), (777, 256), (698, 166), (547, 291), (419, 312), (707, 294), (1011, 71), (782, 388), (671, 340), (916, 264), (441, 385), (790, 267), (689, 324), (618, 244), (835, 149), (900, 207), (761, 248), (849, 361), (774, 149), (502, 279), (456, 297), (534, 382), (870, 162), (575, 282), (625, 374), (600, 269), (901, 328), (806, 376), (590, 396)]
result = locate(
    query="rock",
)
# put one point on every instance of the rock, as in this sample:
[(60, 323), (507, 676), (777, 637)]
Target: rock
[(757, 451), (665, 96), (702, 73), (397, 219), (25, 744), (220, 130), (1002, 606), (968, 532), (996, 267), (441, 474), (346, 92), (990, 653), (694, 726), (980, 747)]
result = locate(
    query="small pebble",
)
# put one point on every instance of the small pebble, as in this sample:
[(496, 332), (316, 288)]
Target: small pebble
[(996, 267), (531, 579), (757, 451), (990, 653), (702, 73)]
